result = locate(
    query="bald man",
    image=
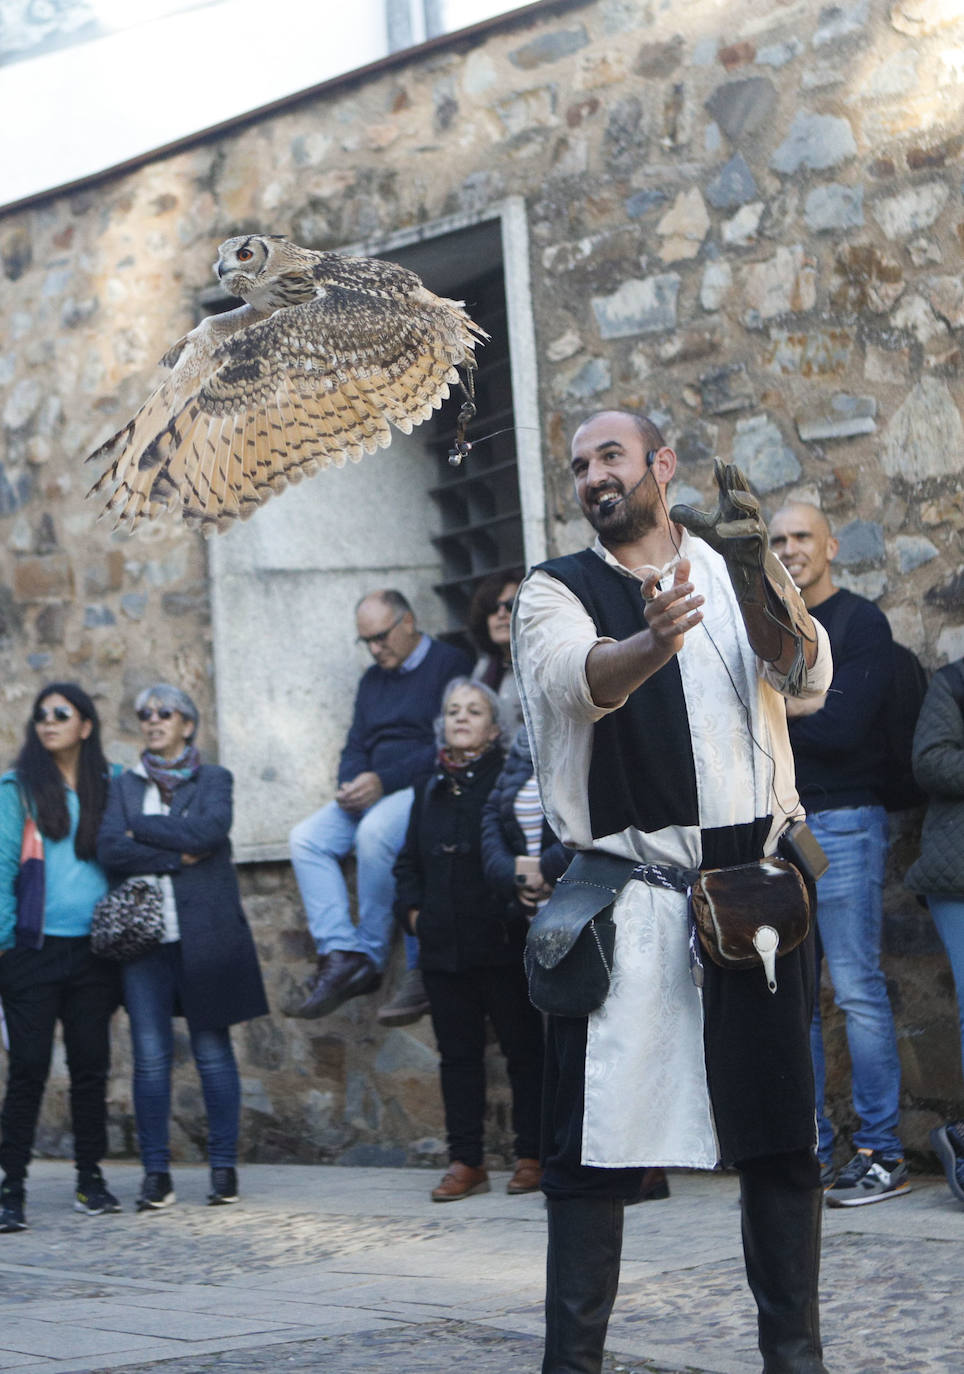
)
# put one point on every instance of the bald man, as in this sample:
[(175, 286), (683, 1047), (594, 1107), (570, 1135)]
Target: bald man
[(839, 753)]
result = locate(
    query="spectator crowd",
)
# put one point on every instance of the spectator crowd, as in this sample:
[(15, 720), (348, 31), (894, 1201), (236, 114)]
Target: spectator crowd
[(464, 789)]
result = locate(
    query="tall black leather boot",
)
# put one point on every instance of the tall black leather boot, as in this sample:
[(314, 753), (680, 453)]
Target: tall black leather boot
[(782, 1207), (582, 1275)]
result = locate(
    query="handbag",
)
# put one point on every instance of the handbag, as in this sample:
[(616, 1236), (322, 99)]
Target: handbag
[(571, 941), (129, 921), (29, 884), (751, 914)]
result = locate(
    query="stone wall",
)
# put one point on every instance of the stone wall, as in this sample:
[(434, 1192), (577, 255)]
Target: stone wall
[(750, 225)]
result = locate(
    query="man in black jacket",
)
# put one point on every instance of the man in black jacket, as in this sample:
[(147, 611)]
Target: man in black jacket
[(839, 752)]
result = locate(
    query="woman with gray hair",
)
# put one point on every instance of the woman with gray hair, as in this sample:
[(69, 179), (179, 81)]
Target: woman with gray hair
[(169, 819), (470, 946)]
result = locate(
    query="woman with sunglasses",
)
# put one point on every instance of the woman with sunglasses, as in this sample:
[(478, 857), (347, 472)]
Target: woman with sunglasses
[(47, 972), (169, 818), (489, 621)]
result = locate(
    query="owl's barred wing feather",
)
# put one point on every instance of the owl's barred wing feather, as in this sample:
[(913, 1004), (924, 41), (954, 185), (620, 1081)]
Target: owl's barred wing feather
[(309, 386)]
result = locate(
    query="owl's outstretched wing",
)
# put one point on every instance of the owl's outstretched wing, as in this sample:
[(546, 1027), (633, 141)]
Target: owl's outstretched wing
[(311, 385)]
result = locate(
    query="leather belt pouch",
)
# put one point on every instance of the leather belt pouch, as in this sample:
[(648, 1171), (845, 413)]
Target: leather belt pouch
[(570, 944), (749, 915)]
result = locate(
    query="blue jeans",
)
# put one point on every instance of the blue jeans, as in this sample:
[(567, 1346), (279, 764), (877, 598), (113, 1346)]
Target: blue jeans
[(948, 914), (318, 845), (849, 920), (150, 992)]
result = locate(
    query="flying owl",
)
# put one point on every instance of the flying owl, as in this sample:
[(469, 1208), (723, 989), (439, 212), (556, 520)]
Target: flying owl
[(324, 356)]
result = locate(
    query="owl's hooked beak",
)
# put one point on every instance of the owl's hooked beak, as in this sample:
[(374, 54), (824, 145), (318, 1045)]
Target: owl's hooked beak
[(218, 269)]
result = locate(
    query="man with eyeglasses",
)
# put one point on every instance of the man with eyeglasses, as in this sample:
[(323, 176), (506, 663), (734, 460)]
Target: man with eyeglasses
[(390, 745)]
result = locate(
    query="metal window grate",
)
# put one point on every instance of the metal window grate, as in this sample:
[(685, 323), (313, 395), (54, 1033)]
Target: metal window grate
[(478, 503)]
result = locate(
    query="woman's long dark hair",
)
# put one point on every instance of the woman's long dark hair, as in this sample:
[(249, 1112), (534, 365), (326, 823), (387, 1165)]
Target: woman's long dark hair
[(43, 782), (483, 603)]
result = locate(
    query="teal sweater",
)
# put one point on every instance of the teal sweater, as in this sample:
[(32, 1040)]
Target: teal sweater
[(71, 885)]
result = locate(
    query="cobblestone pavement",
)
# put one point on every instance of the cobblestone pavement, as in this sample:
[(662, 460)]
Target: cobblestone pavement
[(352, 1271)]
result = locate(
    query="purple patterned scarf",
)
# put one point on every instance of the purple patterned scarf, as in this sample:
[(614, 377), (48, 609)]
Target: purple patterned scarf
[(168, 774)]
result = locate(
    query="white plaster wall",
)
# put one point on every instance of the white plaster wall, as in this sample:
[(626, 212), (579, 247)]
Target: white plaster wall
[(284, 589)]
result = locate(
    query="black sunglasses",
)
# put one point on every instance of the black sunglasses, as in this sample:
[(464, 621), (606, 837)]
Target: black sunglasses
[(60, 713), (149, 712), (505, 604)]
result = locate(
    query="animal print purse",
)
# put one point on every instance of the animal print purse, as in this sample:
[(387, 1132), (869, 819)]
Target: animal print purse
[(129, 921)]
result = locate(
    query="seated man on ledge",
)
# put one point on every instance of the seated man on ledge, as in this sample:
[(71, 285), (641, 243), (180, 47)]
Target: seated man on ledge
[(390, 745)]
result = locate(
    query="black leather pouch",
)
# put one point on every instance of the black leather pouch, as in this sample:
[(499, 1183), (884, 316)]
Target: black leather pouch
[(570, 944)]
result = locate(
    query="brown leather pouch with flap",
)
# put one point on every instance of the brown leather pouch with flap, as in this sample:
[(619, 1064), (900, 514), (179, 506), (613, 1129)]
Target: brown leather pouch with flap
[(751, 914)]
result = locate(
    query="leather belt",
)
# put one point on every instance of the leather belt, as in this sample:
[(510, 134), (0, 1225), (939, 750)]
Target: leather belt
[(666, 875)]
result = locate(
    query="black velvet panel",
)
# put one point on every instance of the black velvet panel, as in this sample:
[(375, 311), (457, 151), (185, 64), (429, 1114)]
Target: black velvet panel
[(642, 771)]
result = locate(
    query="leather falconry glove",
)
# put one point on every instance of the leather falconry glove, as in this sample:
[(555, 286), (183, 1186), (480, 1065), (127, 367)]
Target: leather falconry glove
[(770, 603)]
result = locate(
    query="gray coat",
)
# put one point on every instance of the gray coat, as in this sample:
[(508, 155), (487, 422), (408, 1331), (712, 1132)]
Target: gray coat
[(222, 979), (938, 760)]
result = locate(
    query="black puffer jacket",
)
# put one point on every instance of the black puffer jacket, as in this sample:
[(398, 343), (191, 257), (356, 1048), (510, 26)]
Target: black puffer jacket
[(462, 923), (938, 760), (502, 837)]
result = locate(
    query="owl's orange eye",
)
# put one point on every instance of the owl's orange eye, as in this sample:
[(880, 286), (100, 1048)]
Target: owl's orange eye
[(244, 254)]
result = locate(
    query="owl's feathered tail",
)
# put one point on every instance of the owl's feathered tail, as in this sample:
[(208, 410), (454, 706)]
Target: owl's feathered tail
[(217, 440)]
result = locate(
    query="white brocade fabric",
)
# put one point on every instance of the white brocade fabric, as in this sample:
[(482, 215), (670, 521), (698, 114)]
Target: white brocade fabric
[(646, 1096)]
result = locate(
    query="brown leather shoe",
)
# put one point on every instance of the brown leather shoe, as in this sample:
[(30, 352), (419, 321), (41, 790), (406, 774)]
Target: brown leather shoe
[(460, 1180), (342, 974), (527, 1177)]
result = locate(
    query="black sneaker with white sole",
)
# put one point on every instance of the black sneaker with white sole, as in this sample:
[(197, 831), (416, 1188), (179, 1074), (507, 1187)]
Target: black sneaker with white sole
[(157, 1191), (869, 1177), (93, 1196), (12, 1199), (224, 1186)]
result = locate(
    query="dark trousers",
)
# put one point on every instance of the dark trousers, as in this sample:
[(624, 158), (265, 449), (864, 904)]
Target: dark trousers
[(39, 987), (460, 1003)]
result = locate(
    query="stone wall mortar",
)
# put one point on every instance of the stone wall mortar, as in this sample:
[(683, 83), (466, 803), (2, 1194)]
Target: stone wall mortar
[(754, 231)]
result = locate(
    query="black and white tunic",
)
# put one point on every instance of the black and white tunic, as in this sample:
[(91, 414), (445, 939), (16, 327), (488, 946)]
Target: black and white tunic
[(693, 769)]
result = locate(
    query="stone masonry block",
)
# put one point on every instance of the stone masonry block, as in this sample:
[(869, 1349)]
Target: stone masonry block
[(45, 578)]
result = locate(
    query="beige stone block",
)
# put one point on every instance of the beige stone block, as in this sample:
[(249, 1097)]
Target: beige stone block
[(918, 18), (46, 578), (946, 295), (886, 365), (786, 283), (603, 69), (925, 438), (684, 226), (742, 229)]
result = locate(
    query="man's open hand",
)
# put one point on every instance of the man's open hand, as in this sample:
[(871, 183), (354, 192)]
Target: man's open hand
[(671, 613)]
